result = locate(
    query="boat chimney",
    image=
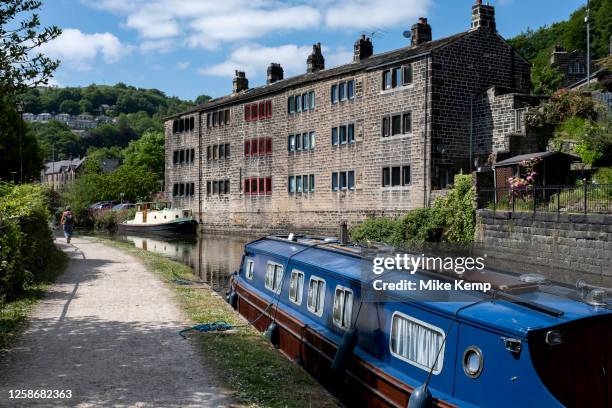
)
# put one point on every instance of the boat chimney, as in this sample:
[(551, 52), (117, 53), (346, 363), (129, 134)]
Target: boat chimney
[(344, 235)]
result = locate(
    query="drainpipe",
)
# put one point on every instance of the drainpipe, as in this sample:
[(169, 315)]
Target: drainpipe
[(425, 201), (471, 130), (200, 166)]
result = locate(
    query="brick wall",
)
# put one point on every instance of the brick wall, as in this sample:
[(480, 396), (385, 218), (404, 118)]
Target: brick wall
[(563, 247)]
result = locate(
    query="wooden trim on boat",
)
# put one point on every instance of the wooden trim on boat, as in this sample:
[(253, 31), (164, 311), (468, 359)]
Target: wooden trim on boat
[(388, 390)]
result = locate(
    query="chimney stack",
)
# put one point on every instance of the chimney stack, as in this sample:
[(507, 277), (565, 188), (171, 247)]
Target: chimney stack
[(275, 72), (559, 53), (240, 82), (315, 61), (363, 49), (421, 32), (483, 16)]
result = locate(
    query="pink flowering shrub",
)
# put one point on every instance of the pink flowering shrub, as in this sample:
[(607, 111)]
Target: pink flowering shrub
[(521, 186)]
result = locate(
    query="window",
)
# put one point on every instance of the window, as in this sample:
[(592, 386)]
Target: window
[(298, 184), (268, 185), (181, 189), (341, 93), (227, 187), (298, 142), (227, 151), (305, 141), (334, 94), (247, 148), (343, 307), (298, 100), (396, 77), (351, 133), (407, 74), (291, 184), (290, 105), (247, 186), (175, 157), (311, 99), (396, 176), (262, 146), (254, 111), (334, 181), (254, 147), (334, 136), (227, 116), (182, 156), (208, 188), (316, 295), (269, 146), (221, 151), (175, 190), (351, 180), (274, 277), (305, 102), (262, 185), (262, 110), (386, 126), (296, 287), (312, 183), (291, 143), (215, 118), (342, 177), (312, 137), (250, 266), (215, 152), (247, 112), (396, 125), (407, 122), (268, 109), (342, 134), (215, 187), (417, 342), (386, 80), (350, 89)]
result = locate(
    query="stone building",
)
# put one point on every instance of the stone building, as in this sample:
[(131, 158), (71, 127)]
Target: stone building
[(571, 65), (377, 136), (57, 174)]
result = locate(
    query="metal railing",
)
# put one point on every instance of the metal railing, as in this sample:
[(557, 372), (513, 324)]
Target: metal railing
[(581, 199)]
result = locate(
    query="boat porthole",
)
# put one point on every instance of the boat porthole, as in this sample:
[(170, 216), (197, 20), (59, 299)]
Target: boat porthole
[(472, 362), (176, 216)]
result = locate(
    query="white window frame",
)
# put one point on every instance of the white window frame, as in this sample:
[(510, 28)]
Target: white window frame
[(427, 326), (311, 308), (280, 280), (337, 323), (250, 269), (299, 292)]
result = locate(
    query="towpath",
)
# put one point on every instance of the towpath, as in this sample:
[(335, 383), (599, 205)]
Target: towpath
[(107, 331)]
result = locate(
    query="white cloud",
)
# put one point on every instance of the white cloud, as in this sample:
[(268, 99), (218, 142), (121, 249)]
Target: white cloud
[(211, 23), (163, 45), (254, 60), (81, 50), (183, 64), (337, 57), (374, 13)]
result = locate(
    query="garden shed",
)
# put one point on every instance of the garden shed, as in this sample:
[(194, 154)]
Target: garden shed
[(551, 168)]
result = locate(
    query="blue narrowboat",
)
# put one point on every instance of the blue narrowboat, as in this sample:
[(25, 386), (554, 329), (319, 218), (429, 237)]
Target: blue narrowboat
[(525, 343)]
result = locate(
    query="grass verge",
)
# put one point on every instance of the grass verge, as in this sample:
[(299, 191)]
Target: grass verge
[(14, 314), (259, 375)]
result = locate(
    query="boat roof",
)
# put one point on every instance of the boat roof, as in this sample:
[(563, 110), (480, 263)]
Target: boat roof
[(511, 306)]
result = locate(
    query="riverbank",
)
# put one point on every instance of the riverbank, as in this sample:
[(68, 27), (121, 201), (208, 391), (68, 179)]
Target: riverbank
[(259, 374)]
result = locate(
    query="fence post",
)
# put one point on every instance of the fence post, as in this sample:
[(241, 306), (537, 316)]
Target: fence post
[(558, 200), (584, 182), (512, 197), (534, 198), (494, 201)]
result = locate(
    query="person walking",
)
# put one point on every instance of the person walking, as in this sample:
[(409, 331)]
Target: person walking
[(67, 222)]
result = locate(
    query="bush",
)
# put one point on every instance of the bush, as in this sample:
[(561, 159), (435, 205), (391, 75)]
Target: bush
[(422, 225), (27, 253), (603, 176), (377, 230)]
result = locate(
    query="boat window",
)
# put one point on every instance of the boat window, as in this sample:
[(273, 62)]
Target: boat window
[(249, 269), (416, 342), (316, 295), (296, 287), (274, 277), (343, 307)]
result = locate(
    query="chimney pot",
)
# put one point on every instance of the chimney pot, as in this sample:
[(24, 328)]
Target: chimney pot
[(240, 82), (421, 32), (483, 16), (315, 61), (363, 48), (275, 72)]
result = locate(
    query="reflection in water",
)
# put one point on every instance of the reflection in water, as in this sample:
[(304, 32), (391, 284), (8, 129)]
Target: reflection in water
[(212, 257)]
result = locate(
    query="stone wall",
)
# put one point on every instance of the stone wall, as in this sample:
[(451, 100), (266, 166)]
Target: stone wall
[(563, 247)]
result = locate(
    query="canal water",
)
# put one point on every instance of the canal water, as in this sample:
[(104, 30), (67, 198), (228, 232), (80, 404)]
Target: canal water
[(213, 258)]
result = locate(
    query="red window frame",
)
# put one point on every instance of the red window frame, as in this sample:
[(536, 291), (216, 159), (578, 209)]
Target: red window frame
[(268, 185), (268, 109), (269, 145), (247, 112), (262, 110), (254, 112), (262, 185), (247, 148), (262, 146), (247, 186), (254, 147)]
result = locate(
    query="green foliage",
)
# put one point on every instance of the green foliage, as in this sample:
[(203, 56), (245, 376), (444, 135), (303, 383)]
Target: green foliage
[(27, 252), (10, 128), (147, 152), (20, 65), (561, 106), (69, 106), (545, 79), (56, 140), (603, 176), (451, 219)]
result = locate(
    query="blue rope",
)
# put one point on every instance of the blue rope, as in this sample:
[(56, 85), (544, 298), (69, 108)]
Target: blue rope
[(218, 326)]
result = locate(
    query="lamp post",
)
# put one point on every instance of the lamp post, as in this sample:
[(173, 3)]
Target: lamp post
[(20, 110), (13, 174), (588, 41)]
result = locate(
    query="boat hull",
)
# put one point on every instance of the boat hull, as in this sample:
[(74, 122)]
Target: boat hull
[(166, 229), (362, 385)]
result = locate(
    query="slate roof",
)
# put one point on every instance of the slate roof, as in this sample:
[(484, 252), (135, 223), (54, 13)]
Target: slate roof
[(63, 165), (368, 63), (531, 156)]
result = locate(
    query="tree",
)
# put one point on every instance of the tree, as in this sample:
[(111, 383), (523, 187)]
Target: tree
[(85, 106), (545, 79), (69, 106), (56, 140), (146, 152), (20, 66), (202, 99), (10, 152)]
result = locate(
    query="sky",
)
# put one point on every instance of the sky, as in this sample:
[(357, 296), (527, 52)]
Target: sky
[(188, 48)]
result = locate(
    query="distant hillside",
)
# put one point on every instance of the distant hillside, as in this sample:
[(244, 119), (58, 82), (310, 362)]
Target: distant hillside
[(537, 45), (112, 100)]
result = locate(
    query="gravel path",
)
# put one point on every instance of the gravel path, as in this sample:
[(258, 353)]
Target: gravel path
[(107, 331)]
